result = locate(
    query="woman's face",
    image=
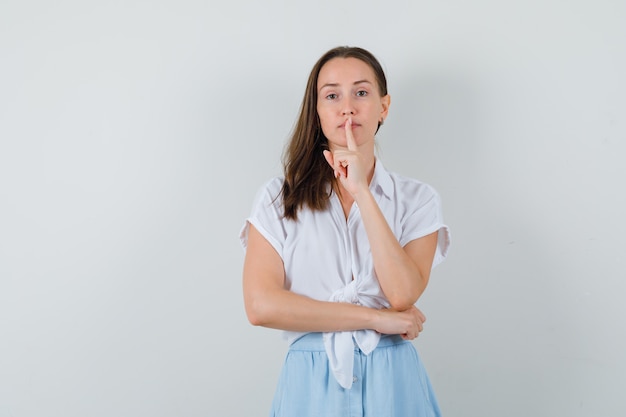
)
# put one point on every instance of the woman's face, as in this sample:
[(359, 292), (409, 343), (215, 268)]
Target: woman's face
[(347, 88)]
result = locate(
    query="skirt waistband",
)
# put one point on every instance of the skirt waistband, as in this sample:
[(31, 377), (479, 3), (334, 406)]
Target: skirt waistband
[(314, 342)]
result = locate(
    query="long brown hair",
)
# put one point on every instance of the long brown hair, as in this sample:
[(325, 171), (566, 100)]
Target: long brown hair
[(307, 174)]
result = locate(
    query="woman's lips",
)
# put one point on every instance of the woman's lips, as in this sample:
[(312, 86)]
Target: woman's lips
[(343, 125)]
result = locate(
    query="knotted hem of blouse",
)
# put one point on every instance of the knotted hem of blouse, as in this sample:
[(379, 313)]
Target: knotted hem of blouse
[(339, 346), (340, 350)]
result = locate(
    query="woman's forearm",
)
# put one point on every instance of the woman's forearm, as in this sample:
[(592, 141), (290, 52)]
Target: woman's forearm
[(400, 277), (285, 310)]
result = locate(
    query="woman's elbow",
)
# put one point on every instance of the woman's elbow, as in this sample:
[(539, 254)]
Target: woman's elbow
[(258, 313), (402, 303), (255, 320), (405, 300)]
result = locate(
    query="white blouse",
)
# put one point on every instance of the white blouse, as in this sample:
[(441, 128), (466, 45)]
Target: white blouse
[(322, 251)]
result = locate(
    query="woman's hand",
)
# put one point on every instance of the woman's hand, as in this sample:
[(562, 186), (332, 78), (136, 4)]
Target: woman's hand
[(348, 164), (408, 323)]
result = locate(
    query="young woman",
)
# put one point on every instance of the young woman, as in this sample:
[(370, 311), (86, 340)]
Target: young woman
[(339, 250)]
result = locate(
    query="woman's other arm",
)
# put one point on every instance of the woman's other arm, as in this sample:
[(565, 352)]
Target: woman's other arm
[(403, 273), (269, 304)]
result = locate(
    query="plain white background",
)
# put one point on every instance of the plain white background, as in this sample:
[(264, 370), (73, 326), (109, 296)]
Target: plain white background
[(135, 134)]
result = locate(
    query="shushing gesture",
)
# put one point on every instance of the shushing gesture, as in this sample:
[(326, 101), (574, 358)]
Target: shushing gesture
[(348, 164)]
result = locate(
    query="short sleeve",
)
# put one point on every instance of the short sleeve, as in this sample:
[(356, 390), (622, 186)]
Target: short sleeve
[(423, 217), (266, 216)]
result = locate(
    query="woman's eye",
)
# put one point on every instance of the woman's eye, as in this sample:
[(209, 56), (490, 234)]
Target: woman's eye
[(331, 96), (361, 93)]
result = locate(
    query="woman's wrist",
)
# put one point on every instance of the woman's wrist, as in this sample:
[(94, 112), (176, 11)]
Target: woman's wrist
[(375, 319), (362, 194)]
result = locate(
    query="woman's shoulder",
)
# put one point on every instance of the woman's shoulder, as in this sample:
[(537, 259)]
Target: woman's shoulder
[(274, 184), (405, 186), (269, 191)]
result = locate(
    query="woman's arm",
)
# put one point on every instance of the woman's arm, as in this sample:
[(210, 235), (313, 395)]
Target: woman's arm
[(403, 273), (269, 304)]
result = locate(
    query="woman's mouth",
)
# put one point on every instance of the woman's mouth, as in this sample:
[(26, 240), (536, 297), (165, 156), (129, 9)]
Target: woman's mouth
[(343, 125)]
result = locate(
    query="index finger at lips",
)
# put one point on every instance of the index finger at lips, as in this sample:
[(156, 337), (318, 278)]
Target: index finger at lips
[(349, 136)]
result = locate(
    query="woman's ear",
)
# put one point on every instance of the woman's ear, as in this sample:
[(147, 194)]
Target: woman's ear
[(385, 101)]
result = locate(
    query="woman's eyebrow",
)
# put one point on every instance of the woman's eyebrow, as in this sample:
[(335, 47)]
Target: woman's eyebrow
[(337, 84), (329, 85)]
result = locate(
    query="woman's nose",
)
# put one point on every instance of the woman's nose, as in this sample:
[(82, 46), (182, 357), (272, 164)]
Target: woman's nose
[(348, 108)]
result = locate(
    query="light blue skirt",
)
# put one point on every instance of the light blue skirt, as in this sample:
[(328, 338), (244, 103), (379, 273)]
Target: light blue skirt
[(389, 382)]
